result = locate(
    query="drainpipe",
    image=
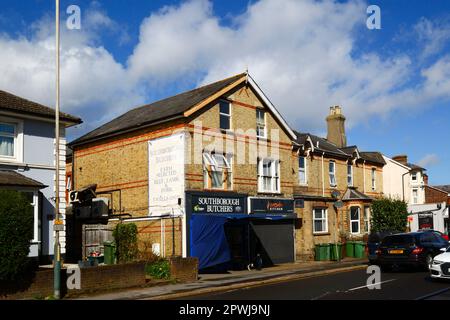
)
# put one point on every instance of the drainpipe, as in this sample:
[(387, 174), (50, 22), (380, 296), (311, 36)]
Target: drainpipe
[(323, 176), (364, 176)]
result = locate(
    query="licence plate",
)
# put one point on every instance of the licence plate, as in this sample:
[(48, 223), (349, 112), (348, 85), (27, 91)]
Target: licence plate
[(395, 251)]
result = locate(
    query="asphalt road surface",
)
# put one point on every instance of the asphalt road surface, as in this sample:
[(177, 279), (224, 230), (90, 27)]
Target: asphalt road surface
[(352, 285)]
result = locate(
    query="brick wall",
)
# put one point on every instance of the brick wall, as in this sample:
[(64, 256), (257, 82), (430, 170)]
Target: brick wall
[(93, 279), (433, 195), (184, 269)]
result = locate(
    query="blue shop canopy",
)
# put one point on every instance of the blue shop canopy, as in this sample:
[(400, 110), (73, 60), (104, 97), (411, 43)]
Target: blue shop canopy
[(208, 240)]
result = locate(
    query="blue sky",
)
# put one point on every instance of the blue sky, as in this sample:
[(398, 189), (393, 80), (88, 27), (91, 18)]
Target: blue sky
[(393, 84)]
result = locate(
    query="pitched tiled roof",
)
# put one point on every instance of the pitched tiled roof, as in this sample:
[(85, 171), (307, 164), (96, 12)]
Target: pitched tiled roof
[(445, 188), (415, 166), (13, 103), (353, 194), (320, 144), (158, 111), (375, 157), (10, 178)]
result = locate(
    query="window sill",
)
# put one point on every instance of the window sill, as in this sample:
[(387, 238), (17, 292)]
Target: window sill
[(268, 193), (321, 234)]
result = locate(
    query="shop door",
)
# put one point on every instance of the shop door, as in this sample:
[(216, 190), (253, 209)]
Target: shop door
[(273, 240), (236, 232)]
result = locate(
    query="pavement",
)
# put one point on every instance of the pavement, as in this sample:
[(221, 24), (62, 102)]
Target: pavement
[(234, 280)]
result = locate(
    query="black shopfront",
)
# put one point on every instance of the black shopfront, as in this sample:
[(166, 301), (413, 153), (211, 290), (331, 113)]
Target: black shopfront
[(228, 230)]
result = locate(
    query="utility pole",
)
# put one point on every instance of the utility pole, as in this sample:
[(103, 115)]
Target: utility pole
[(57, 222)]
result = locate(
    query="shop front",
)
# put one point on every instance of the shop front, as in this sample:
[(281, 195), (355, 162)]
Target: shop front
[(228, 230)]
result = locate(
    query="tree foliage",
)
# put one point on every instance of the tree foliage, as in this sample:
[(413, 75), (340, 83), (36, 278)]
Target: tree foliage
[(125, 236), (389, 215), (16, 233)]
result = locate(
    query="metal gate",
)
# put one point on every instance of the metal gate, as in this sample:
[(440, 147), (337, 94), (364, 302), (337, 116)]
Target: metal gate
[(93, 237)]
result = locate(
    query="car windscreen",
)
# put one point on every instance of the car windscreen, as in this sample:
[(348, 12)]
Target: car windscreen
[(404, 239)]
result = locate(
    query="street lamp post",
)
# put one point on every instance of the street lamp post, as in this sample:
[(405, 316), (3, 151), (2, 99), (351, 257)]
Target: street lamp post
[(57, 223)]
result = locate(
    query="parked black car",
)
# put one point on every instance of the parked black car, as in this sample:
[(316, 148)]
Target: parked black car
[(415, 249), (373, 243)]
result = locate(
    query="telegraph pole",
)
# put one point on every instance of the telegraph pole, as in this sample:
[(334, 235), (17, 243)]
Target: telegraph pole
[(57, 222)]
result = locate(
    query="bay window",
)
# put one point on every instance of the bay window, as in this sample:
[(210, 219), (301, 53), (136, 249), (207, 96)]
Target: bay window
[(355, 220)]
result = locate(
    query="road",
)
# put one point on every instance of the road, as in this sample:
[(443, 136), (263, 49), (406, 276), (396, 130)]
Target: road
[(395, 285)]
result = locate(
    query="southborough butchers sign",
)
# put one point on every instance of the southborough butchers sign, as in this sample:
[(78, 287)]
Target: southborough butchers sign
[(218, 204), (269, 205)]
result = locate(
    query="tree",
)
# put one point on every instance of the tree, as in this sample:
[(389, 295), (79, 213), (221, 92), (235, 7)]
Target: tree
[(389, 215), (16, 233), (125, 236)]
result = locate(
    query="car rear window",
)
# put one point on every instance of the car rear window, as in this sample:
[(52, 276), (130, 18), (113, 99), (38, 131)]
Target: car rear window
[(399, 240)]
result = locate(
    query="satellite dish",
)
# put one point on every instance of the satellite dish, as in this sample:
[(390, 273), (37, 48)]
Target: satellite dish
[(338, 204), (335, 194)]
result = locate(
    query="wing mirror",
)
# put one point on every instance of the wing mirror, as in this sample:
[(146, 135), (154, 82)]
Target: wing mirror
[(443, 249)]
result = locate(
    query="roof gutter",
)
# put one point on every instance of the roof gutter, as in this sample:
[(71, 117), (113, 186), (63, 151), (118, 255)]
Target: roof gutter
[(119, 132)]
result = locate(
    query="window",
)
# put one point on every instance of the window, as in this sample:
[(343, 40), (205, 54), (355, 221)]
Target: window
[(7, 139), (415, 195), (302, 170), (225, 115), (367, 219), (268, 175), (332, 171), (217, 171), (354, 220), (414, 177), (374, 178), (260, 123), (11, 139), (320, 220), (350, 175)]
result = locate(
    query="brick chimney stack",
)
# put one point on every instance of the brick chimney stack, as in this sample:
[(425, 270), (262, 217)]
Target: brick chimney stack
[(336, 127), (425, 179), (403, 159)]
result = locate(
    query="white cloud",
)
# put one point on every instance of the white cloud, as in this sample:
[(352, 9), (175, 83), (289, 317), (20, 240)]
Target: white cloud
[(432, 35), (429, 160), (302, 53)]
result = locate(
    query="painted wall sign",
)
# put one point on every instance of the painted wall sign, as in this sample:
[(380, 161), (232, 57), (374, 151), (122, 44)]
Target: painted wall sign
[(166, 175), (274, 206), (218, 204)]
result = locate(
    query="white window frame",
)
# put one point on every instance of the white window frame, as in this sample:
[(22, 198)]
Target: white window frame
[(332, 174), (18, 140), (367, 214), (350, 175), (304, 170), (226, 115), (211, 160), (373, 173), (359, 220), (414, 174), (274, 176), (415, 199), (259, 124), (323, 219)]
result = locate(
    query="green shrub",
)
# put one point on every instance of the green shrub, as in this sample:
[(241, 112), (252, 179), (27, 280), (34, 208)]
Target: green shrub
[(16, 233), (389, 215), (158, 270), (125, 236)]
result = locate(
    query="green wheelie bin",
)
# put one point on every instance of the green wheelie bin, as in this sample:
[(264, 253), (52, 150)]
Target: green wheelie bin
[(318, 252), (325, 248), (349, 249), (359, 250), (335, 251), (109, 252)]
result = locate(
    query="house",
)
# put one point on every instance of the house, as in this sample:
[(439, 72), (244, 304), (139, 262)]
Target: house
[(334, 188), (205, 173), (27, 164)]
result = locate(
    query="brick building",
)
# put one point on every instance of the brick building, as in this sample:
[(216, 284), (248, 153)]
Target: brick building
[(334, 187), (215, 158)]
